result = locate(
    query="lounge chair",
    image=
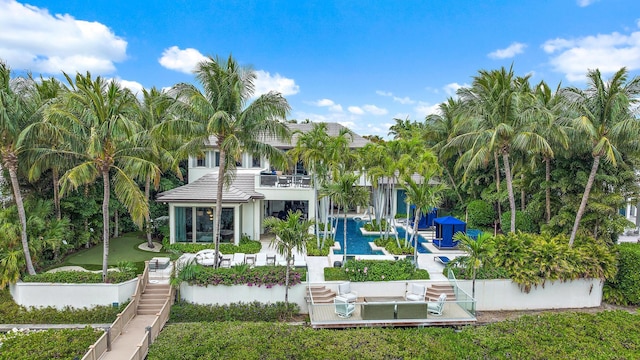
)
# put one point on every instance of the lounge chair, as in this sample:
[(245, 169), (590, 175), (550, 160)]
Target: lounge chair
[(344, 291), (271, 260), (238, 258), (250, 259), (435, 308), (416, 292), (344, 308), (207, 257), (261, 259), (442, 259), (225, 261)]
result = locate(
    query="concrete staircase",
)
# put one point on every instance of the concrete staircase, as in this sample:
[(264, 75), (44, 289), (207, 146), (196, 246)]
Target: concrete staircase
[(321, 295), (434, 291), (153, 297)]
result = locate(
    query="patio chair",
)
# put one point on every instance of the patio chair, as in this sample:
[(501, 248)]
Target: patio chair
[(416, 292), (444, 260), (207, 257), (225, 261), (344, 308), (283, 181), (344, 291), (261, 259), (250, 259), (435, 308), (271, 260)]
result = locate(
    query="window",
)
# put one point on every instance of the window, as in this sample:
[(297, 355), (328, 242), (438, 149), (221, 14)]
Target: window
[(201, 161), (217, 158), (256, 161)]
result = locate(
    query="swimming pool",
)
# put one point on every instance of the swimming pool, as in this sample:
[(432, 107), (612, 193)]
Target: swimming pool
[(358, 244)]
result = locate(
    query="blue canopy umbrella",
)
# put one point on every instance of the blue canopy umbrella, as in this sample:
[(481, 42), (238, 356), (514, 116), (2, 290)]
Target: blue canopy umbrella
[(446, 227)]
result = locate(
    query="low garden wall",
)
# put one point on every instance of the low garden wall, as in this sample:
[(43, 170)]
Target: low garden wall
[(73, 295), (493, 295), (228, 294)]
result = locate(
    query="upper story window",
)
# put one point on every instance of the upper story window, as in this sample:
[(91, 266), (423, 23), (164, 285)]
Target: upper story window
[(256, 161)]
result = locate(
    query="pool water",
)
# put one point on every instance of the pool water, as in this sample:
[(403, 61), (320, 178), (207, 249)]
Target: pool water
[(358, 244)]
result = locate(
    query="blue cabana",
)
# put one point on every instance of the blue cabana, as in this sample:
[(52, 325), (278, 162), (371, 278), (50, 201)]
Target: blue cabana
[(426, 220), (446, 227)]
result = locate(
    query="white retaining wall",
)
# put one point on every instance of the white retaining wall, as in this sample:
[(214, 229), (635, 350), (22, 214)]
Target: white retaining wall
[(73, 295), (493, 295), (228, 294)]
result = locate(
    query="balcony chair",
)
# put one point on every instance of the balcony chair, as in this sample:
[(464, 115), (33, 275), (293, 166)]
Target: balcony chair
[(416, 292), (344, 291), (344, 308), (435, 308)]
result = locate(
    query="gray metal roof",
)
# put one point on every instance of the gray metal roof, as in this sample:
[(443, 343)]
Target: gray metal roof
[(204, 190), (333, 129)]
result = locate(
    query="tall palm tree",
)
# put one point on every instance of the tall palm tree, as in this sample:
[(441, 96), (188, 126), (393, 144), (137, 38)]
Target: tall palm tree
[(99, 121), (15, 114), (345, 192), (495, 106), (605, 122), (220, 115), (291, 233)]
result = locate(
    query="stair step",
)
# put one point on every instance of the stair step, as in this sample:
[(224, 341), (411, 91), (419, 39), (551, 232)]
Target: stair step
[(322, 295)]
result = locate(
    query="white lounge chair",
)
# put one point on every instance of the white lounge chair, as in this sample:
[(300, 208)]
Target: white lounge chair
[(261, 259), (344, 291), (435, 308), (238, 258), (344, 308), (416, 292), (207, 257)]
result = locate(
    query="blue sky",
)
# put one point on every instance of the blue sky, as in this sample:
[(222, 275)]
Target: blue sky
[(359, 63)]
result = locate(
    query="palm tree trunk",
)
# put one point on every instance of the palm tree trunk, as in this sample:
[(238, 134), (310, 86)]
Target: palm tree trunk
[(86, 221), (147, 185), (315, 224), (547, 179), (286, 280), (105, 223), (116, 220), (453, 183), (523, 195), (585, 197), (56, 192), (496, 163), (414, 236), (21, 213), (512, 199), (218, 223), (344, 239)]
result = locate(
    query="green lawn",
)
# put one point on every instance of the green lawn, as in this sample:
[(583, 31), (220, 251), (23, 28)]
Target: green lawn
[(123, 248)]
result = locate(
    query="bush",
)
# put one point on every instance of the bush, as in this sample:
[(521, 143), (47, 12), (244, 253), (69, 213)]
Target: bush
[(480, 214), (79, 277), (12, 313), (246, 246), (624, 289), (48, 344), (376, 270), (269, 276), (312, 247), (255, 311), (375, 225), (524, 222)]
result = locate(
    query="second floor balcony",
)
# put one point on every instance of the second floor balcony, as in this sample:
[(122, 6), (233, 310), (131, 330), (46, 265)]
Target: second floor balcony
[(276, 180)]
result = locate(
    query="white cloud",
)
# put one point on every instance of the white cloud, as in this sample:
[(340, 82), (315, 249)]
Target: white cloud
[(134, 86), (423, 109), (509, 52), (185, 61), (404, 100), (384, 93), (265, 82), (33, 39), (355, 110), (451, 89), (606, 52), (374, 110), (329, 104), (585, 3)]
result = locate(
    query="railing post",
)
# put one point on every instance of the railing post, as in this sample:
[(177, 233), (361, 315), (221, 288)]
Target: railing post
[(109, 339), (148, 328)]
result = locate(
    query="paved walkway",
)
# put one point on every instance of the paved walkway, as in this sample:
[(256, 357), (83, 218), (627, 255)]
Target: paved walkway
[(133, 333)]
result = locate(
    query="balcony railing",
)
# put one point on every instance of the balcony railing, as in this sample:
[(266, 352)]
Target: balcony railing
[(284, 181)]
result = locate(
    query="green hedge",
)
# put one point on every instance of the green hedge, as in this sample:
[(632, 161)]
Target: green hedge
[(624, 289), (267, 276), (79, 277), (49, 344), (312, 247), (254, 311), (605, 335), (524, 222), (376, 270), (246, 246), (12, 313), (480, 214)]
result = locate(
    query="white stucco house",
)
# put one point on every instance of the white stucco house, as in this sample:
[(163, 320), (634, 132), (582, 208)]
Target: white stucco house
[(259, 191)]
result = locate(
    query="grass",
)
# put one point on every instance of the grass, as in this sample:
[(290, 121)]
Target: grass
[(123, 248)]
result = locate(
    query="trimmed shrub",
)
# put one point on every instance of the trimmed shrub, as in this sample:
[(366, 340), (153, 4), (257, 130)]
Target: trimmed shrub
[(269, 276), (312, 247), (254, 311), (79, 277), (375, 225), (480, 214), (624, 289), (376, 270), (524, 222), (246, 246), (48, 344)]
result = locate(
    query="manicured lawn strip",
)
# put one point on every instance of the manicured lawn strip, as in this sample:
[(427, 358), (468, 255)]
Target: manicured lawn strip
[(12, 313), (605, 335), (49, 344), (123, 248)]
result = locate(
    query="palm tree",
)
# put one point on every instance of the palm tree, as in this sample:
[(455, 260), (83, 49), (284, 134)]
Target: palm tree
[(345, 193), (15, 114), (99, 121), (424, 195), (291, 233), (220, 116), (495, 106), (605, 122), (477, 250)]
